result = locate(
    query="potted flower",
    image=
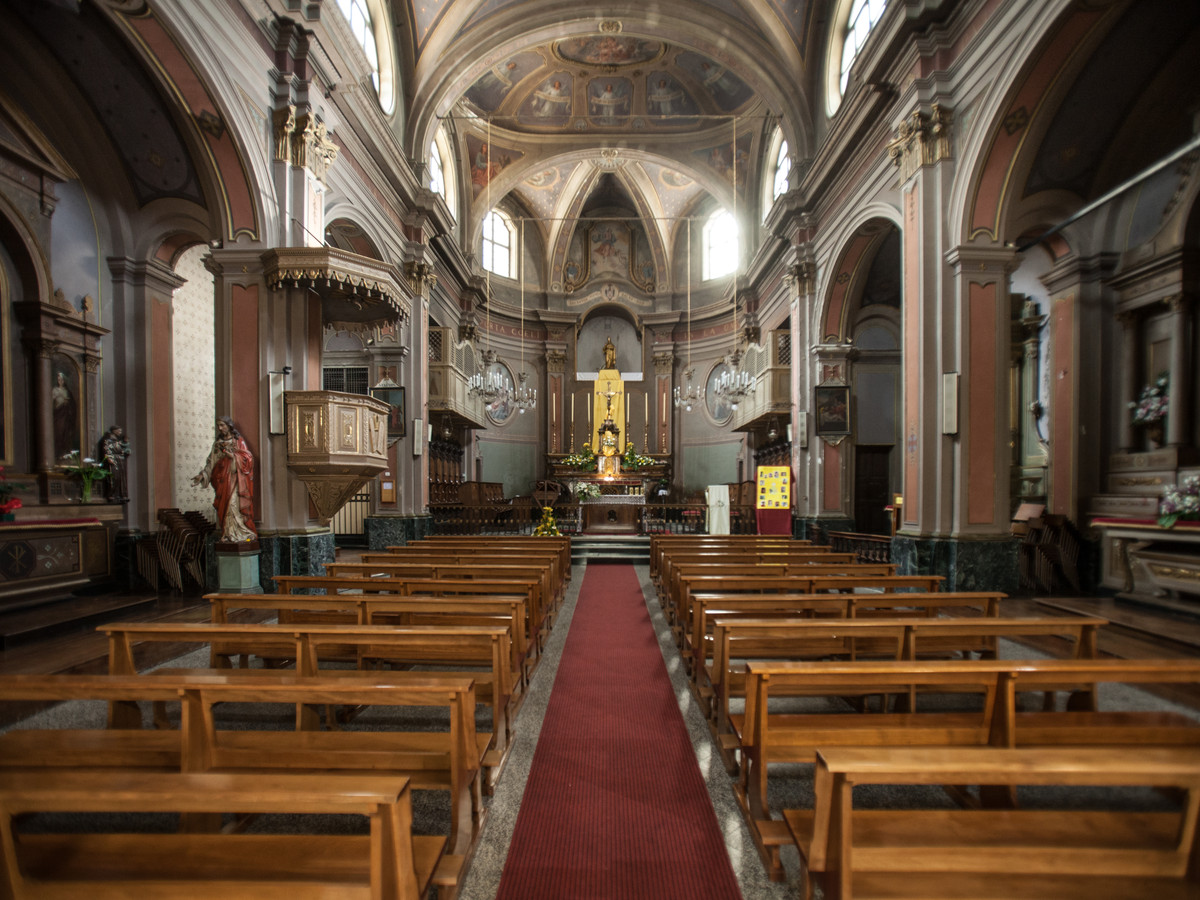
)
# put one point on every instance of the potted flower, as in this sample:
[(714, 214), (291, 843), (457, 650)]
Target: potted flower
[(8, 503), (547, 527), (1180, 501), (584, 459), (1150, 408), (87, 470), (586, 489)]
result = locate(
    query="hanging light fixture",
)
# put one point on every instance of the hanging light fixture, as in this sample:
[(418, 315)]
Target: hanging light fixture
[(488, 385), (735, 384), (525, 397), (689, 394)]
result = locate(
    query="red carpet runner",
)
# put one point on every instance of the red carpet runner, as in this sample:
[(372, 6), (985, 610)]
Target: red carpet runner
[(615, 806)]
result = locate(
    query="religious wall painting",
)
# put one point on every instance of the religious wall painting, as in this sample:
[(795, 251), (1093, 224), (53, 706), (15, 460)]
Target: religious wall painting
[(550, 102), (725, 89), (719, 408), (608, 50), (642, 271), (666, 98), (608, 100), (394, 398), (501, 409), (487, 165), (494, 85), (66, 404), (720, 159), (831, 403), (609, 249)]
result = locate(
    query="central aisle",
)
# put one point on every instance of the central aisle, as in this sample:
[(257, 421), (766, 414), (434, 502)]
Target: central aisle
[(615, 806)]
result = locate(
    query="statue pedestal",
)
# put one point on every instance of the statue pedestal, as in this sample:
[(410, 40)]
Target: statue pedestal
[(237, 567)]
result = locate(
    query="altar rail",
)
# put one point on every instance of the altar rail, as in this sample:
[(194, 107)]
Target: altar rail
[(656, 518)]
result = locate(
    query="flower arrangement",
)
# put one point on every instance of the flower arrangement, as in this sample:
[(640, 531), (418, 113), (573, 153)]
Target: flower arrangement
[(87, 470), (1180, 501), (8, 502), (583, 489), (585, 458), (1151, 404), (547, 527), (633, 460)]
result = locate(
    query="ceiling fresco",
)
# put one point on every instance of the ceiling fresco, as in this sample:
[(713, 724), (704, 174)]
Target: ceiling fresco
[(607, 82)]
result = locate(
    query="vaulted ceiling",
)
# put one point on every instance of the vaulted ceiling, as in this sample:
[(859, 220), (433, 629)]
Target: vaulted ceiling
[(648, 111)]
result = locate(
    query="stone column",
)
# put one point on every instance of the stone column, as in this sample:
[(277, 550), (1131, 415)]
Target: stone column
[(663, 403), (556, 400), (143, 293), (42, 352), (1179, 420), (1131, 367)]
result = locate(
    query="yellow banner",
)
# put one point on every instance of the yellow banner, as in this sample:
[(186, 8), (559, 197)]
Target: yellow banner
[(774, 487)]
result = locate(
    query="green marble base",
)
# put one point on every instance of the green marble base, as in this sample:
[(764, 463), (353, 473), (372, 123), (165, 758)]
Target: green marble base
[(237, 568), (967, 565)]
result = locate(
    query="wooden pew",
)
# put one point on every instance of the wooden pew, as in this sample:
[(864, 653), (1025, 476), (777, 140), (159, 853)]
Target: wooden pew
[(447, 588), (481, 653), (679, 577), (503, 543), (447, 760), (769, 737), (810, 578), (389, 862), (557, 550), (697, 624), (740, 641), (664, 545), (541, 607), (750, 556), (387, 609), (1065, 851)]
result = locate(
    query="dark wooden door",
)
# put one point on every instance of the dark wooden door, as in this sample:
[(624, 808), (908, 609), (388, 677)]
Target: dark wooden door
[(872, 489)]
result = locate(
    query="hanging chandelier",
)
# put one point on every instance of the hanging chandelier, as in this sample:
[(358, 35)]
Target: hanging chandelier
[(689, 394), (524, 397), (488, 383), (735, 384)]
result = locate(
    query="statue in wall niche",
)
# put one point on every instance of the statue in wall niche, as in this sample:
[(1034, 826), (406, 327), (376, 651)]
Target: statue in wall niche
[(114, 451), (230, 472), (65, 417), (610, 354)]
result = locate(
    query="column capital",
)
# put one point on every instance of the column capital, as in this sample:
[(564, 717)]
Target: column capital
[(922, 138)]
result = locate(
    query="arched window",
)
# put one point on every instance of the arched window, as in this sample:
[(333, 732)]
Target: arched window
[(437, 176), (864, 15), (498, 244), (442, 180), (362, 26), (720, 245), (783, 167), (853, 21)]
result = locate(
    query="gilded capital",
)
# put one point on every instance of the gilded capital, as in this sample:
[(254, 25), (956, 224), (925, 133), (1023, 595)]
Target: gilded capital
[(556, 362), (664, 363), (921, 139)]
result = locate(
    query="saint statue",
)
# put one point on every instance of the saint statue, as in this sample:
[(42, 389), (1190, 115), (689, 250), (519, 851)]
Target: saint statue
[(114, 450), (230, 471), (610, 354)]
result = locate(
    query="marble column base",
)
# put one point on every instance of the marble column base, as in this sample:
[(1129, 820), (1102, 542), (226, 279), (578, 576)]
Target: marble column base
[(967, 565), (294, 554), (395, 531), (237, 568)]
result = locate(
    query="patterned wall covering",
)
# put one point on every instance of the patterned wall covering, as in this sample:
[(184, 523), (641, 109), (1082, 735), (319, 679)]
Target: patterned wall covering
[(195, 379)]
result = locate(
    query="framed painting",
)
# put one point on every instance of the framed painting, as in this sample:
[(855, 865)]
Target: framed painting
[(832, 405), (394, 398)]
